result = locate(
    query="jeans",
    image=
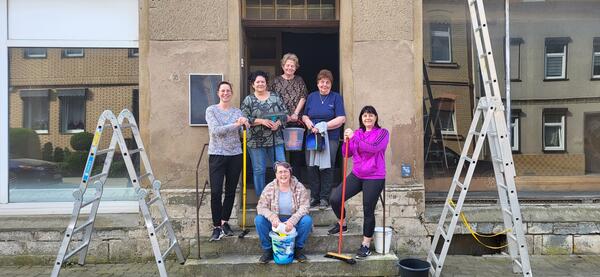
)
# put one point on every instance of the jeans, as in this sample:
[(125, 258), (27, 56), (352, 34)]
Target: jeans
[(321, 180), (371, 189), (228, 168), (259, 157), (263, 227)]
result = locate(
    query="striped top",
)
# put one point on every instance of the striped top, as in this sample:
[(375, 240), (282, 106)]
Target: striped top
[(367, 150), (224, 134)]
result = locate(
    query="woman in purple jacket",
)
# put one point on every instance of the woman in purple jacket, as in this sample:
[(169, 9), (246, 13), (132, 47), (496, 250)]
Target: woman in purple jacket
[(367, 147)]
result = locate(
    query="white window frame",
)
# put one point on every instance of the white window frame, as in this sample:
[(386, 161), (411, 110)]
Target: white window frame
[(446, 34), (63, 101), (560, 124), (35, 56), (553, 55), (42, 208), (26, 101), (515, 133), (453, 131), (595, 58), (67, 53)]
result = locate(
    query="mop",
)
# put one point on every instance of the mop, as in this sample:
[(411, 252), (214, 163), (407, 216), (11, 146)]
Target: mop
[(339, 255)]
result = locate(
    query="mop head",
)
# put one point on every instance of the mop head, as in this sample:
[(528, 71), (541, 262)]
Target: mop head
[(343, 258)]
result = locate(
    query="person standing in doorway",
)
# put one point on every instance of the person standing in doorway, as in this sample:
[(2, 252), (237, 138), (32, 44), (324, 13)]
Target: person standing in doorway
[(266, 113), (225, 157), (292, 90), (367, 147), (324, 113)]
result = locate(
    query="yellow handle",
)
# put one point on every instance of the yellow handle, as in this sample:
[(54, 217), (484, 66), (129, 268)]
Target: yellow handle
[(244, 180)]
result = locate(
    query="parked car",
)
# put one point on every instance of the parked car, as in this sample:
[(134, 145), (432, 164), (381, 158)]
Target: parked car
[(32, 171)]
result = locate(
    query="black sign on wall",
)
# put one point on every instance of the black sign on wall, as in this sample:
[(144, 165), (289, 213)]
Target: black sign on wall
[(203, 93)]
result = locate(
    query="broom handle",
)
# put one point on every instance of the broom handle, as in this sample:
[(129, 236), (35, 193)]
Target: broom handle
[(343, 196), (244, 179)]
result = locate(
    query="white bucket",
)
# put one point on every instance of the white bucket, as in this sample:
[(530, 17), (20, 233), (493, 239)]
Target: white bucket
[(379, 239)]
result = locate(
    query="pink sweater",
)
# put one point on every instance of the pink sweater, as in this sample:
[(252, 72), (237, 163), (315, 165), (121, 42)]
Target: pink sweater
[(367, 150)]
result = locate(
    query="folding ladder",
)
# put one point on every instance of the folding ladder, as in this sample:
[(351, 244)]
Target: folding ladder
[(493, 128), (98, 181)]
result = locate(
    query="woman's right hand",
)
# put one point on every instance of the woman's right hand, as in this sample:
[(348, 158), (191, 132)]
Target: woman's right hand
[(275, 223), (348, 133)]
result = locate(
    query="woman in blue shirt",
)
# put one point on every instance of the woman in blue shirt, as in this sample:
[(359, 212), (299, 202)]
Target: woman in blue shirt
[(326, 107)]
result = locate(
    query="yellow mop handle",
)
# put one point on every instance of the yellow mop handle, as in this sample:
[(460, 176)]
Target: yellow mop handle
[(244, 180)]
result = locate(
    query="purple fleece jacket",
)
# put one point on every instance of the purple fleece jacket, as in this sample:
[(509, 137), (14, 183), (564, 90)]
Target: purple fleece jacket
[(367, 150)]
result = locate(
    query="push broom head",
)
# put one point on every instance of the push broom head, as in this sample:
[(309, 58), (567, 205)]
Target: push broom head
[(343, 258)]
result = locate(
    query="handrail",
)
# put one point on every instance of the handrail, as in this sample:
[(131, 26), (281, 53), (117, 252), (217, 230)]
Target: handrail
[(199, 200)]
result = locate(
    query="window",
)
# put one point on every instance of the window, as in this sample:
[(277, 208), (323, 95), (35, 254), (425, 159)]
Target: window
[(72, 110), (35, 110), (290, 9), (596, 59), (515, 130), (134, 52), (515, 59), (554, 129), (72, 53), (555, 65), (35, 53), (441, 49), (448, 122)]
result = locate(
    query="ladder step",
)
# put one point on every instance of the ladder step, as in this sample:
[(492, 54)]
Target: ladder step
[(96, 177), (127, 125), (518, 264), (104, 151), (468, 159), (508, 212), (475, 133), (136, 151), (459, 184), (169, 250), (79, 228), (443, 234), (153, 200), (83, 245), (90, 202), (160, 226), (503, 186), (511, 236), (452, 210)]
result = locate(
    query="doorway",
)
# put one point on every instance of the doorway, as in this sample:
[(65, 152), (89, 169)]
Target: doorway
[(591, 137), (316, 48)]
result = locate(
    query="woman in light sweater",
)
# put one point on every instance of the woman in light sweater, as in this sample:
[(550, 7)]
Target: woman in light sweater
[(224, 157), (367, 147)]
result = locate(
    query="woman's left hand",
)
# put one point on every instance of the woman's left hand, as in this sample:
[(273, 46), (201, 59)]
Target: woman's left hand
[(276, 125), (293, 118), (288, 226)]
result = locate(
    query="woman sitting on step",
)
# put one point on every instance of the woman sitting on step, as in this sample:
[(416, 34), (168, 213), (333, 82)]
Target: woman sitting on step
[(367, 147), (286, 201)]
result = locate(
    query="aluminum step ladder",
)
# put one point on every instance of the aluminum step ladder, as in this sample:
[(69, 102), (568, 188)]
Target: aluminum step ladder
[(98, 181), (494, 128)]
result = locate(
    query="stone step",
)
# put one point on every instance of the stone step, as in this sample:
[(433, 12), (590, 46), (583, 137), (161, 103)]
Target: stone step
[(318, 242), (317, 265), (320, 217)]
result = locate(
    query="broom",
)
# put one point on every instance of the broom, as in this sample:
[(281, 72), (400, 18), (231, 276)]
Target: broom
[(339, 255)]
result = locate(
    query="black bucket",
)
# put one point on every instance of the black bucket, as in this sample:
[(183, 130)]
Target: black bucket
[(413, 268)]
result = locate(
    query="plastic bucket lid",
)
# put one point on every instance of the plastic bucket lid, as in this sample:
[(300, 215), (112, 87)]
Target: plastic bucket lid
[(293, 137), (283, 247), (414, 268)]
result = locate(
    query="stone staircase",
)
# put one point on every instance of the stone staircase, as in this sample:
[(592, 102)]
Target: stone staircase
[(233, 256)]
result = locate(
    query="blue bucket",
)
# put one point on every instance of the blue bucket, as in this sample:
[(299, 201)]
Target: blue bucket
[(283, 247)]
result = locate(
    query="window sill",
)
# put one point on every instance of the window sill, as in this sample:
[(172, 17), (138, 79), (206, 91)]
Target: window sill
[(595, 78), (547, 151), (556, 80), (65, 208), (443, 65), (73, 131), (516, 80), (41, 132)]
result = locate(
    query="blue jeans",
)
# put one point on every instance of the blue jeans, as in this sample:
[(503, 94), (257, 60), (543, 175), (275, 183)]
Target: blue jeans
[(259, 157), (263, 227)]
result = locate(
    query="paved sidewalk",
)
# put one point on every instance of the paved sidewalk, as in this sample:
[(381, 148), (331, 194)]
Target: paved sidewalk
[(490, 266)]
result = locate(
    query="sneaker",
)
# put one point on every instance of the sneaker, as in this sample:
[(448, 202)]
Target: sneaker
[(266, 257), (335, 230), (217, 234), (299, 256), (227, 229), (323, 204), (363, 252), (314, 203)]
